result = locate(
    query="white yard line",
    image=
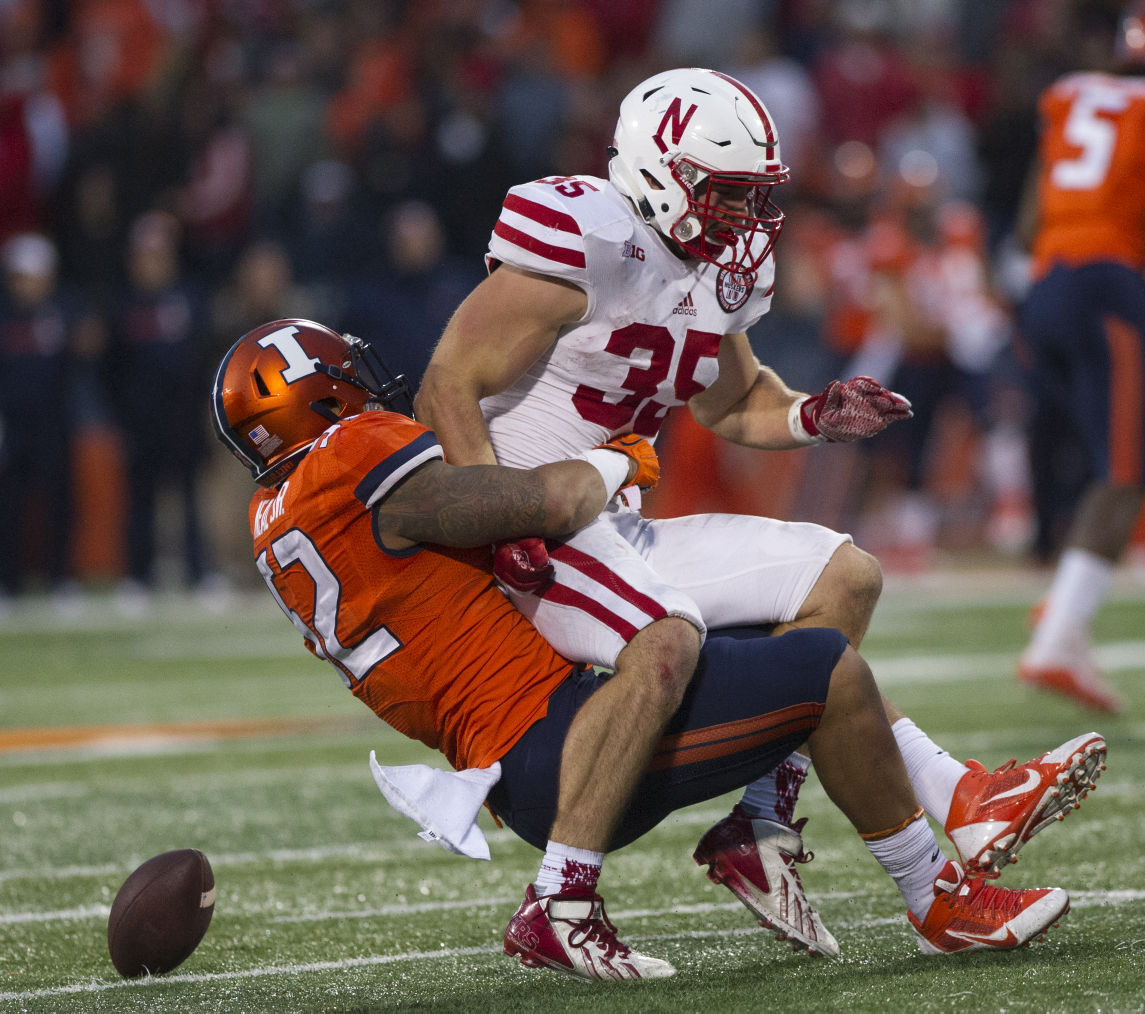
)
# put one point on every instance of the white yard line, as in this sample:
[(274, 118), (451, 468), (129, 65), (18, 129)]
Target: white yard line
[(902, 670), (250, 973), (34, 792), (354, 850), (890, 671), (61, 915), (1080, 899)]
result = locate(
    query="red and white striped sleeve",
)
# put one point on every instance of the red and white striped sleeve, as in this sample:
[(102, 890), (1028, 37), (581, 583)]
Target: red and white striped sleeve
[(536, 232)]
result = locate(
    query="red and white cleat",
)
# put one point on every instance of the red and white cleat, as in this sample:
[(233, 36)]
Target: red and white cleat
[(994, 813), (755, 859), (570, 933)]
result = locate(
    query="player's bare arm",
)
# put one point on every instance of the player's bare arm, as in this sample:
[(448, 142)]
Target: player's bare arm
[(748, 402), (498, 332), (477, 505)]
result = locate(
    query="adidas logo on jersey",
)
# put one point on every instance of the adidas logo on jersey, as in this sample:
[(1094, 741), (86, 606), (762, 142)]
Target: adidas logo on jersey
[(685, 306)]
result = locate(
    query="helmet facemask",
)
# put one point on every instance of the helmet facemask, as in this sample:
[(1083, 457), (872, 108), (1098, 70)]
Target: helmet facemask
[(389, 391), (725, 212)]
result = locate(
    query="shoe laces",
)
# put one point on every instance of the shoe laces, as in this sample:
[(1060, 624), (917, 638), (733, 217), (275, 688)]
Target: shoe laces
[(980, 768), (983, 899), (804, 856), (599, 930)]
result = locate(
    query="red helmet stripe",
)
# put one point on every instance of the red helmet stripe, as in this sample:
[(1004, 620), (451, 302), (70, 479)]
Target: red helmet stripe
[(755, 104)]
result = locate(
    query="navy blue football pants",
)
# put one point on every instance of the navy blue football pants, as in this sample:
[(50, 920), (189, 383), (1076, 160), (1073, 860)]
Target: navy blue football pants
[(753, 700), (1085, 326)]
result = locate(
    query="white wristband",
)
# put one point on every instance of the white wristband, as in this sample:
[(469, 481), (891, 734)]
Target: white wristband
[(612, 466), (795, 424)]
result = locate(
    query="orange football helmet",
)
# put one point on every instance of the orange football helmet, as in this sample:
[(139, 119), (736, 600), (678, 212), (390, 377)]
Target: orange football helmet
[(283, 383)]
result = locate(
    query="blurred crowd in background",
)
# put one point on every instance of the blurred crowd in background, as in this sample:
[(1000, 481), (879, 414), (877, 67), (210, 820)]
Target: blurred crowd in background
[(174, 172)]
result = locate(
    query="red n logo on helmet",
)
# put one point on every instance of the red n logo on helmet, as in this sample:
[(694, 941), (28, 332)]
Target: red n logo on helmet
[(677, 122)]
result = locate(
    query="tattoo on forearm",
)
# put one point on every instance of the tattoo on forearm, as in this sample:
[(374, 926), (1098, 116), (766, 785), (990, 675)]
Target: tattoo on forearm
[(467, 506)]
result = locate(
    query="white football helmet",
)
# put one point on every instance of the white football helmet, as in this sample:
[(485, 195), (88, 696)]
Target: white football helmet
[(698, 153)]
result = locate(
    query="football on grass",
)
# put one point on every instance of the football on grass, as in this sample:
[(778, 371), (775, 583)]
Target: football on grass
[(161, 913)]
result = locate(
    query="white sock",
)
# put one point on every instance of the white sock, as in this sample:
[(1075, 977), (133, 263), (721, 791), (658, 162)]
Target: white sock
[(565, 867), (1080, 585), (933, 773), (774, 795), (912, 860)]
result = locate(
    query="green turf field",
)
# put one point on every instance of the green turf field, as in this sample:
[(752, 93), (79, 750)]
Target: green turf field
[(327, 900)]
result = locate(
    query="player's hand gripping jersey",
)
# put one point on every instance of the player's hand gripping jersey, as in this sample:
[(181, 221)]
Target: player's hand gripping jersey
[(648, 341), (415, 635), (1092, 188)]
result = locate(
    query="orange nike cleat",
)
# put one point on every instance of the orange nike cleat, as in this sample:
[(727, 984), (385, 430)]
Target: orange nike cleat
[(994, 813), (969, 914), (1084, 683), (1072, 672)]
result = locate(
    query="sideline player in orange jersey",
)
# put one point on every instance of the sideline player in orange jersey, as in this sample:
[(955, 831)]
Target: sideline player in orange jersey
[(351, 527), (1084, 320)]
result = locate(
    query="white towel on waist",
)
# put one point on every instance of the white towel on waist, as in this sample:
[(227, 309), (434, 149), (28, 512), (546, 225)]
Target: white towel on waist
[(444, 803)]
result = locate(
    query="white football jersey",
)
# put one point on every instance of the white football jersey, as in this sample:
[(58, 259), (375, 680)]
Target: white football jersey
[(648, 341)]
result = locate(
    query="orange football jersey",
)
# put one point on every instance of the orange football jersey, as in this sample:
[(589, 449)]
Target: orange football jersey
[(423, 637), (1091, 193)]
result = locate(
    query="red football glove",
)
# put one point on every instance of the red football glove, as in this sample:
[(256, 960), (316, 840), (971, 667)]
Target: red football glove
[(643, 453), (523, 565), (852, 409)]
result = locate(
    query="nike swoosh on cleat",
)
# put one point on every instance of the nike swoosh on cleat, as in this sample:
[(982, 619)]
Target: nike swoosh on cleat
[(1003, 936), (1032, 779)]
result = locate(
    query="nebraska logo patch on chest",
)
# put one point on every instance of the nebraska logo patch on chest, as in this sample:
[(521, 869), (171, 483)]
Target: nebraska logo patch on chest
[(733, 288)]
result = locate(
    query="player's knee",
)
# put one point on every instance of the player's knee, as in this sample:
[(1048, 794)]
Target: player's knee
[(857, 574), (845, 595), (664, 654)]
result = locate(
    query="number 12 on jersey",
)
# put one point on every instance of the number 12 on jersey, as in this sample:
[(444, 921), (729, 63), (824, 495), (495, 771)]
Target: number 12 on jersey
[(354, 663)]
